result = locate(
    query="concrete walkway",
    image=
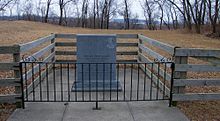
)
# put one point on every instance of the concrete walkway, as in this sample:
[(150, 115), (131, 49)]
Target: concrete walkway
[(121, 111)]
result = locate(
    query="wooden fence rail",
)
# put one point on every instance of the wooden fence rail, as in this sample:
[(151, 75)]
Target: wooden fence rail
[(166, 47), (119, 36), (73, 44)]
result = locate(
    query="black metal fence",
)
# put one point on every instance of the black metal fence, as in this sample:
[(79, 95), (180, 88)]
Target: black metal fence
[(95, 82)]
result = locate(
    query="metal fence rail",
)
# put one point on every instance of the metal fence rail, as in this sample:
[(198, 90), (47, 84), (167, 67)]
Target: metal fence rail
[(97, 82)]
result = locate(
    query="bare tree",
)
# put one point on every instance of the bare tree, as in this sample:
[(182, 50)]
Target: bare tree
[(5, 3), (66, 10), (184, 10), (106, 12), (126, 14), (174, 17), (134, 21), (168, 16), (62, 4), (197, 12), (47, 11), (28, 9), (40, 9), (11, 7), (84, 12), (77, 13), (94, 14), (104, 8), (148, 7), (18, 9), (161, 7), (97, 13), (213, 8)]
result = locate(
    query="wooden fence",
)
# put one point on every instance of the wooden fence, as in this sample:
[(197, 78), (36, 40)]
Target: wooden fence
[(119, 45), (182, 67), (144, 50), (18, 51), (180, 57)]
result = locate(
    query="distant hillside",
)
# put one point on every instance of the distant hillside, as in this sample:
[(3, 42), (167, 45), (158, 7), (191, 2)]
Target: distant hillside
[(139, 21), (12, 32)]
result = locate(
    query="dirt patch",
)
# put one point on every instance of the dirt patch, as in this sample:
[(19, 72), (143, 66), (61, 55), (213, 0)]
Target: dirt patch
[(201, 110), (5, 111)]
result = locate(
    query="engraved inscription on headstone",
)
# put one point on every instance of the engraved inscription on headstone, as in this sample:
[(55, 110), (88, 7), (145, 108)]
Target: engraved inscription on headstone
[(96, 68)]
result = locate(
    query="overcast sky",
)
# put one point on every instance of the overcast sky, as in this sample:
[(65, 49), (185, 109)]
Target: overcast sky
[(135, 7)]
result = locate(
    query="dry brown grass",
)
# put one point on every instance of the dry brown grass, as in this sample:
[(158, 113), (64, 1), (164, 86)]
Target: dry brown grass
[(22, 31), (16, 32)]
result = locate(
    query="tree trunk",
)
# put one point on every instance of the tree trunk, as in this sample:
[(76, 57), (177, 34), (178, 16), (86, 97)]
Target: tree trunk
[(61, 16), (47, 11), (127, 21), (97, 13), (94, 15)]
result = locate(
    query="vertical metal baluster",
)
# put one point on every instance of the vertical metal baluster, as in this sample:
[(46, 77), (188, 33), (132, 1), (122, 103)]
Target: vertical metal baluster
[(47, 82), (117, 79), (138, 82), (131, 82), (75, 82), (26, 84), (22, 84), (151, 80), (96, 82), (82, 82), (89, 82), (165, 69), (124, 79), (54, 82), (32, 67), (103, 81), (61, 80), (158, 79), (171, 83), (68, 81), (145, 72), (110, 81), (40, 81)]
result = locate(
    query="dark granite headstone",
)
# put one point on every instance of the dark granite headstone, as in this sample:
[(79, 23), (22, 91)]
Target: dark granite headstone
[(96, 68)]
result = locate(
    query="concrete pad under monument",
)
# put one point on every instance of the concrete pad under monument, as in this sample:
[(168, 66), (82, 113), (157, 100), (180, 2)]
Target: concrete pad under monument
[(96, 68)]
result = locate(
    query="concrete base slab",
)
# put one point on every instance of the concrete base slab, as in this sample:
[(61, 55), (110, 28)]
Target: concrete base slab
[(120, 111), (156, 111), (108, 112), (100, 86), (39, 112)]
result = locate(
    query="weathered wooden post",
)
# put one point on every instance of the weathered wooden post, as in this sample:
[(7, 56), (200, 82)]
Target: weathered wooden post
[(179, 75), (17, 74), (53, 49), (139, 50)]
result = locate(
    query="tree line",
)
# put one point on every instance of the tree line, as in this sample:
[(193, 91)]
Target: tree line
[(159, 14)]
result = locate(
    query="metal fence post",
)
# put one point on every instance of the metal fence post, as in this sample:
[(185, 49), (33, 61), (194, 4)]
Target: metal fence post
[(171, 85), (22, 84)]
